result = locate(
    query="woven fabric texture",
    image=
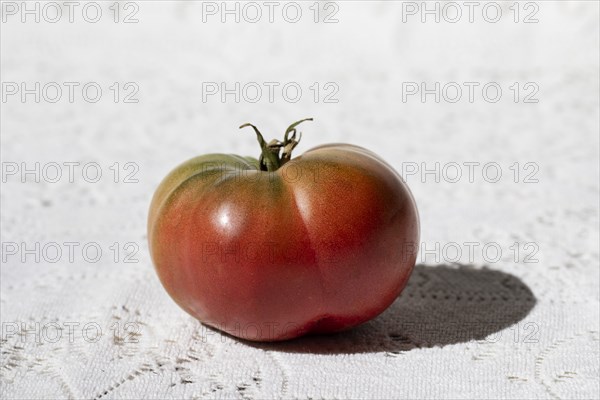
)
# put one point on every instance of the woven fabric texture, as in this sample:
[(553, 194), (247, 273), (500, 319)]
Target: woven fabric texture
[(513, 315)]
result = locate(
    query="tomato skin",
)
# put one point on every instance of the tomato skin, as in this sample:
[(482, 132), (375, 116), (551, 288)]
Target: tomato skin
[(322, 244)]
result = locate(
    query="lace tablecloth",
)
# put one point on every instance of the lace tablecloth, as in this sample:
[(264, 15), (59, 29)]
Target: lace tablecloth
[(83, 313)]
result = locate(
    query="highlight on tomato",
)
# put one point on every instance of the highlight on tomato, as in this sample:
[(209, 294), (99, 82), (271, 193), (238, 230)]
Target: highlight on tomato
[(276, 247)]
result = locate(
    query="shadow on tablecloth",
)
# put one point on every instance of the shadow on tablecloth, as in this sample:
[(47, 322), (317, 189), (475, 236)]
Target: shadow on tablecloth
[(441, 305)]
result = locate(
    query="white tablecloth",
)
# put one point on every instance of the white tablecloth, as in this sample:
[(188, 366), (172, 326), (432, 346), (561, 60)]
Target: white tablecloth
[(525, 325)]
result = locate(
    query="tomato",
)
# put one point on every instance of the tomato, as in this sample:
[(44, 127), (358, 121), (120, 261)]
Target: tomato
[(278, 247)]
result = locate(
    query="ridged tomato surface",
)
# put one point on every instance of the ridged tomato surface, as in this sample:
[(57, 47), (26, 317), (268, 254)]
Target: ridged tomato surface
[(322, 244)]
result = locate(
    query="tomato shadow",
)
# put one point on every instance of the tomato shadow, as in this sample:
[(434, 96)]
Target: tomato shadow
[(440, 306)]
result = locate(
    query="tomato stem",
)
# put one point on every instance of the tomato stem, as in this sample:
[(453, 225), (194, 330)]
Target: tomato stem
[(269, 158)]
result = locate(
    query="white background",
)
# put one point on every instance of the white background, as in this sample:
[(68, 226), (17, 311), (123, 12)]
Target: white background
[(475, 327)]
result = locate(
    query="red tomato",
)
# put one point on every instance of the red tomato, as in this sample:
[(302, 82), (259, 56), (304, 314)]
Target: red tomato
[(276, 248)]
